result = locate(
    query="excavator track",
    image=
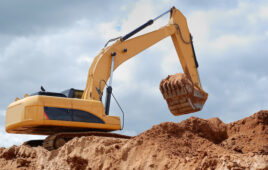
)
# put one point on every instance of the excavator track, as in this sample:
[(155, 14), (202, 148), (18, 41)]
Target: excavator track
[(34, 143), (57, 140)]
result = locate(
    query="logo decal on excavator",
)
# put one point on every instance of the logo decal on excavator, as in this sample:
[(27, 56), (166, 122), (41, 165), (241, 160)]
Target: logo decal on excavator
[(46, 116)]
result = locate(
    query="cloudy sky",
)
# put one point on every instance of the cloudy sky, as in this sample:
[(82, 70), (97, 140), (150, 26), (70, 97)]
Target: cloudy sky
[(52, 43)]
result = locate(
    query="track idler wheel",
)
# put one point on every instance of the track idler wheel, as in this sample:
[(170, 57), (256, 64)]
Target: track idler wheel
[(59, 142), (54, 141), (181, 95)]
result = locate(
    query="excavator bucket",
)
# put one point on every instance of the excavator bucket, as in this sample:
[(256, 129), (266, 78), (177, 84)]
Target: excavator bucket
[(181, 95)]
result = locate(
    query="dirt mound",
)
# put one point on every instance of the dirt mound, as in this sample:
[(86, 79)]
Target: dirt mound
[(191, 144), (249, 134)]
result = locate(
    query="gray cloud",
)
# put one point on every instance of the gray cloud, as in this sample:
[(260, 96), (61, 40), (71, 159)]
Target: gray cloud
[(208, 4), (32, 17)]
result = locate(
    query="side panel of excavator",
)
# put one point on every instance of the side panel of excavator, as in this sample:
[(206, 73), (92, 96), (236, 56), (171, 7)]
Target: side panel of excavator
[(45, 115)]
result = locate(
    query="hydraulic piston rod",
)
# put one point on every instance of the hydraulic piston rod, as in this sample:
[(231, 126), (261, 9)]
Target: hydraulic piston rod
[(109, 88), (150, 22)]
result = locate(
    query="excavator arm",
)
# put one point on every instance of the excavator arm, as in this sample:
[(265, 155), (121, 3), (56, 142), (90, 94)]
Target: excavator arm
[(123, 49)]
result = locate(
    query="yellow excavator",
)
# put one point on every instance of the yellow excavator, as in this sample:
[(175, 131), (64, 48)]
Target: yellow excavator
[(73, 113)]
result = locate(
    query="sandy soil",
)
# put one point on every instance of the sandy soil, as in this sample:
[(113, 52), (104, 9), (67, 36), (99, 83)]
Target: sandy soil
[(191, 144)]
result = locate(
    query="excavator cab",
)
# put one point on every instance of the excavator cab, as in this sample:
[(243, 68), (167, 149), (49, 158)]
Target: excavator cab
[(70, 93), (73, 93)]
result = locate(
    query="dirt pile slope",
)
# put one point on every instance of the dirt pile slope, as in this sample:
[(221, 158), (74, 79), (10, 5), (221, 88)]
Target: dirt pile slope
[(192, 144)]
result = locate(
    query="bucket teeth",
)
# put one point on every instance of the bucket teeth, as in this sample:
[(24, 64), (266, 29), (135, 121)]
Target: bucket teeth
[(181, 95)]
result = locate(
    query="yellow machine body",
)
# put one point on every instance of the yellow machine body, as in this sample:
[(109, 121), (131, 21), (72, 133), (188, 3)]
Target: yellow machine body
[(28, 116), (45, 115)]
